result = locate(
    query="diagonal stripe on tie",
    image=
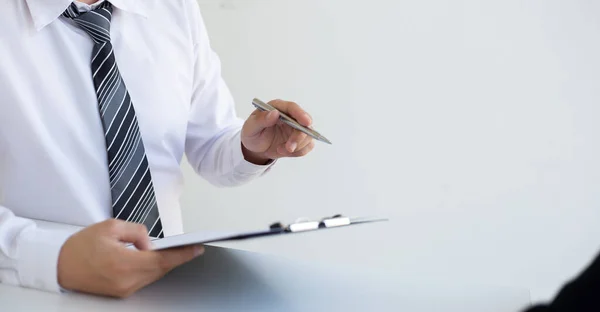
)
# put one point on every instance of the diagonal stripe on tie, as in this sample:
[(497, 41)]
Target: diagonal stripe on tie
[(132, 190), (122, 160)]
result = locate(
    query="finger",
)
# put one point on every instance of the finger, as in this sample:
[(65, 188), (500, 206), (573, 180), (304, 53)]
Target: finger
[(172, 258), (294, 140), (304, 143), (282, 151), (303, 152), (276, 154), (259, 121), (165, 260), (293, 110), (129, 232)]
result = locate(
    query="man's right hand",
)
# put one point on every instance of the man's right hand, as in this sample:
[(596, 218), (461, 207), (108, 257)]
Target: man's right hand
[(96, 261)]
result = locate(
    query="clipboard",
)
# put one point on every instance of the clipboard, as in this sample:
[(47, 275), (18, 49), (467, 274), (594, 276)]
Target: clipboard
[(278, 228)]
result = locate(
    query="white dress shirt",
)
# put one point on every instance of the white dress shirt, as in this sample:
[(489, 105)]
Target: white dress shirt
[(53, 159)]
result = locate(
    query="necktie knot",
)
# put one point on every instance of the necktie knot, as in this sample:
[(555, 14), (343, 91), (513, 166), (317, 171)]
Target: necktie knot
[(95, 22)]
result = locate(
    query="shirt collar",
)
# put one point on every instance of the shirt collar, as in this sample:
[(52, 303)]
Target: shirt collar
[(44, 12)]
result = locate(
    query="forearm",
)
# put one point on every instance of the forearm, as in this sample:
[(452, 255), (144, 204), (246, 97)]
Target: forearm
[(223, 164), (29, 254)]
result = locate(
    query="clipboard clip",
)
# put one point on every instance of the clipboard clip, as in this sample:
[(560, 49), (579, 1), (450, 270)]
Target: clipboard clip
[(302, 225)]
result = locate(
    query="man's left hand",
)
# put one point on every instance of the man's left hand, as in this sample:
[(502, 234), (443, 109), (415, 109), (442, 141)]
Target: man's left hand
[(266, 138)]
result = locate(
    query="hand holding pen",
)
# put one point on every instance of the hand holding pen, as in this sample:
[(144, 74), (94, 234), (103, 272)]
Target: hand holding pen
[(278, 129)]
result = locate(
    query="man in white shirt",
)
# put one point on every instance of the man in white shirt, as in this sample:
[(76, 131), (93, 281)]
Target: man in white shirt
[(99, 101)]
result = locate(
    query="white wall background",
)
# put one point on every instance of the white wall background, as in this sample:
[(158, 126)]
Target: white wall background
[(471, 124)]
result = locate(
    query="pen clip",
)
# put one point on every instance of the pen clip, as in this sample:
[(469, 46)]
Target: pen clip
[(335, 221), (303, 225)]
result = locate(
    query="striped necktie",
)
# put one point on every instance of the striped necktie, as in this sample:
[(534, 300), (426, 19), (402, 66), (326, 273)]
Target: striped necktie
[(132, 191)]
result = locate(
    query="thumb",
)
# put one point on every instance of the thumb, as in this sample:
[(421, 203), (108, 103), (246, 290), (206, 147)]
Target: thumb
[(260, 121), (129, 232)]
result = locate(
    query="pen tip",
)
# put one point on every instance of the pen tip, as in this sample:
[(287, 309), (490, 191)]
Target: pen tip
[(324, 139)]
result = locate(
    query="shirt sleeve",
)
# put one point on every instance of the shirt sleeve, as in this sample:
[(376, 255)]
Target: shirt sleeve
[(29, 254), (213, 143)]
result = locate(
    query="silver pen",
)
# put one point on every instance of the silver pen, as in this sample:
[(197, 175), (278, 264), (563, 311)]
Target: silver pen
[(290, 121)]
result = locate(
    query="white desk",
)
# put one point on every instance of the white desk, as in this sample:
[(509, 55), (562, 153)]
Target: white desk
[(232, 280)]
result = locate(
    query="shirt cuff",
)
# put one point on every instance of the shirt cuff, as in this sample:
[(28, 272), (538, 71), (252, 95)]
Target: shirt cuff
[(38, 259), (244, 167)]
